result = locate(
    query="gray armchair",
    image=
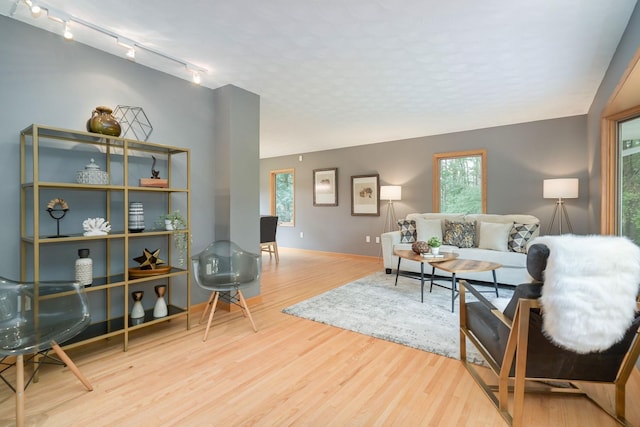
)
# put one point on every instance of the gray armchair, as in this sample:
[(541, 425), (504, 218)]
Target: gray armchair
[(225, 269), (36, 318)]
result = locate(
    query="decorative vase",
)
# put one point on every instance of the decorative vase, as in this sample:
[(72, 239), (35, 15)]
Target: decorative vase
[(103, 122), (136, 217), (137, 312), (160, 309), (168, 225), (84, 268), (435, 251)]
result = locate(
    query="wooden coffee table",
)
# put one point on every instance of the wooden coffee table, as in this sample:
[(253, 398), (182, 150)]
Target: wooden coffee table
[(410, 255), (463, 266)]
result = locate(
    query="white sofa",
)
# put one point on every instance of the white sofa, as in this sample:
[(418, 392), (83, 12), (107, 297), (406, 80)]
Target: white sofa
[(503, 241)]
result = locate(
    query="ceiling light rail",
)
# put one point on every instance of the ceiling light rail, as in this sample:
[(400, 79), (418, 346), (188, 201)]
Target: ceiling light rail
[(36, 8)]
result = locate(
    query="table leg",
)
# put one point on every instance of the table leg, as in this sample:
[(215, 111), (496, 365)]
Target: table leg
[(398, 270), (453, 289), (495, 283), (433, 274), (422, 282)]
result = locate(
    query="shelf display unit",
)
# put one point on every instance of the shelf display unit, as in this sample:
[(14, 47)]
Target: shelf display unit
[(55, 199)]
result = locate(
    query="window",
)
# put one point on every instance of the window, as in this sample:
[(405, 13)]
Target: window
[(282, 196), (620, 202), (628, 187), (459, 182)]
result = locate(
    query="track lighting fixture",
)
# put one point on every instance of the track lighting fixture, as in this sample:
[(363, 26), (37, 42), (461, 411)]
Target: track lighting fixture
[(131, 46)]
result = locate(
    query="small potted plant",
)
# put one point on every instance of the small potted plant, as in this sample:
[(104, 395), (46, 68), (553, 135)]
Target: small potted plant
[(434, 243), (174, 221)]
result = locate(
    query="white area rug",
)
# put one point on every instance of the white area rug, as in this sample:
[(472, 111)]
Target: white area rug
[(374, 306)]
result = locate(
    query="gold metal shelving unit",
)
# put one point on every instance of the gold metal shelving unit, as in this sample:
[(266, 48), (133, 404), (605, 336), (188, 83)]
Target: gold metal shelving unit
[(109, 294)]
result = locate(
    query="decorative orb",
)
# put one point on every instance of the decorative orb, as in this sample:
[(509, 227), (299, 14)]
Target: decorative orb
[(420, 247)]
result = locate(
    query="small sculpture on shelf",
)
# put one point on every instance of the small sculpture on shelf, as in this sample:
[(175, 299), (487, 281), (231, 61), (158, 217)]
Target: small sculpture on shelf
[(149, 260), (155, 174), (150, 265), (57, 209), (96, 227), (155, 180)]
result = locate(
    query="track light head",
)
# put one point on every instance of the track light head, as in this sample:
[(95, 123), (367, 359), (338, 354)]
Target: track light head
[(68, 35)]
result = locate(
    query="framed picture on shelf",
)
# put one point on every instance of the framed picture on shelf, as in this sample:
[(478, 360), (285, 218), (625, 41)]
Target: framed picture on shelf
[(325, 187), (365, 195)]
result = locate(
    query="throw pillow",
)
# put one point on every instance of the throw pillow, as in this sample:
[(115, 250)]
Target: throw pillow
[(494, 236), (460, 234), (407, 231), (428, 228), (520, 235)]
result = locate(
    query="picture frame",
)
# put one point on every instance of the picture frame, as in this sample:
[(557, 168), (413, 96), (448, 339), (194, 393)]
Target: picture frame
[(365, 195), (325, 187)]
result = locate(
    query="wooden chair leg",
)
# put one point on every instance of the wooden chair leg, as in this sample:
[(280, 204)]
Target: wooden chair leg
[(72, 366), (275, 252), (20, 390), (207, 307), (245, 307), (213, 310)]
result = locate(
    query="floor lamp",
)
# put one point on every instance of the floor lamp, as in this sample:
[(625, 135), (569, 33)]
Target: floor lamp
[(560, 189), (390, 193)]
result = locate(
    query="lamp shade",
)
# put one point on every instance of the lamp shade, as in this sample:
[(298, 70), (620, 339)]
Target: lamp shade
[(390, 192), (564, 188)]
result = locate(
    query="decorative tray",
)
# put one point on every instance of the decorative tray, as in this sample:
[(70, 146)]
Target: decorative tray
[(137, 272)]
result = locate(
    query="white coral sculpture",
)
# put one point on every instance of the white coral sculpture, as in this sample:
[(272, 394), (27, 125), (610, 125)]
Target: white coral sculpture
[(96, 227)]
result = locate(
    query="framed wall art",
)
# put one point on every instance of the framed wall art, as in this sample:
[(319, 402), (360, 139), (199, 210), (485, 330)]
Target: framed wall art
[(365, 195), (325, 187)]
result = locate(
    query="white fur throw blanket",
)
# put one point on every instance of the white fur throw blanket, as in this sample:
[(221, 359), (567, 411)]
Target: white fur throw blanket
[(590, 289)]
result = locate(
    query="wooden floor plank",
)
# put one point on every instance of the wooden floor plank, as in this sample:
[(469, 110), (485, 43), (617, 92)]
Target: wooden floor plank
[(291, 372)]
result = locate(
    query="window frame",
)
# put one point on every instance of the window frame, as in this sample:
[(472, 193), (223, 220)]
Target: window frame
[(272, 195), (610, 169), (438, 157)]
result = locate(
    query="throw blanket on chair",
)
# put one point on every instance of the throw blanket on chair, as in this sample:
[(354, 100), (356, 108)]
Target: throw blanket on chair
[(590, 288)]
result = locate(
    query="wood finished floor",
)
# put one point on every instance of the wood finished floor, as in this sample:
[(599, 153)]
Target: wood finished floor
[(292, 372)]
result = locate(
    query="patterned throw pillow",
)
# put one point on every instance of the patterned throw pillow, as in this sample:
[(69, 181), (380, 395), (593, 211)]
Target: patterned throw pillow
[(519, 236), (408, 233), (460, 234)]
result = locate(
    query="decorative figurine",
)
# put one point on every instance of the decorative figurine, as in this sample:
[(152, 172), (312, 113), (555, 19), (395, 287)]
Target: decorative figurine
[(149, 260), (96, 227), (57, 209), (155, 174)]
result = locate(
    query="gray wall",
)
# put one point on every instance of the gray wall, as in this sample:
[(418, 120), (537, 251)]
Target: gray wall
[(46, 80), (627, 48), (519, 157)]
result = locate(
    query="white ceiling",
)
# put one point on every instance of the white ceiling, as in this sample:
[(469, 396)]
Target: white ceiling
[(336, 73)]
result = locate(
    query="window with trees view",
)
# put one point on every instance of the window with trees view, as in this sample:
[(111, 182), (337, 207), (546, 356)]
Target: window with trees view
[(459, 182), (282, 196), (629, 179)]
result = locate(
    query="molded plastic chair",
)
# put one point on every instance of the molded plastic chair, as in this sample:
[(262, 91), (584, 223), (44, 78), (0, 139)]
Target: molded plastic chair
[(224, 269), (524, 359), (268, 229), (36, 318)]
